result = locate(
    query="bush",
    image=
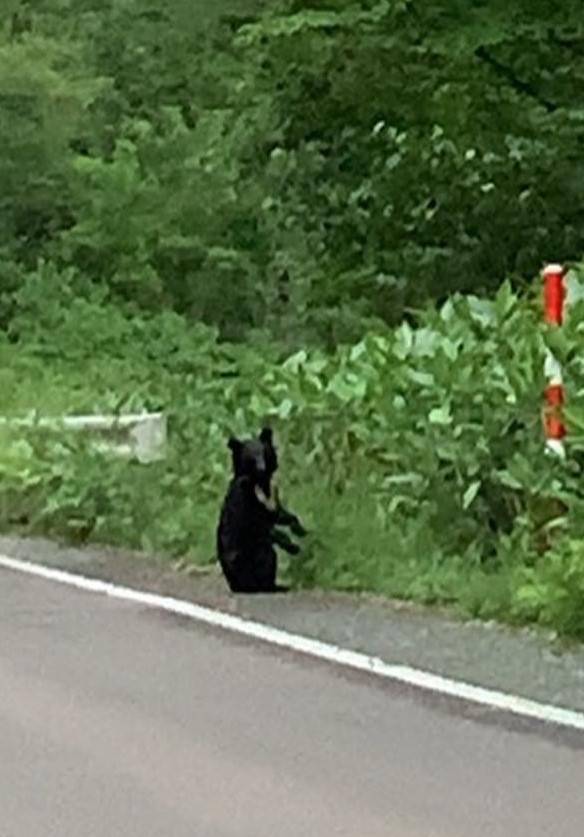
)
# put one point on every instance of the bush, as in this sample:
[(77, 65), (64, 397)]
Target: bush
[(552, 592), (183, 163), (415, 455)]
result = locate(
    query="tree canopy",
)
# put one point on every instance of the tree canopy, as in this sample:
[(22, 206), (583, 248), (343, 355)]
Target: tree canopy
[(299, 168)]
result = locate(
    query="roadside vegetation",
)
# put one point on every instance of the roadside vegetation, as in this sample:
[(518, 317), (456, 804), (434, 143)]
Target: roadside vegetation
[(328, 216)]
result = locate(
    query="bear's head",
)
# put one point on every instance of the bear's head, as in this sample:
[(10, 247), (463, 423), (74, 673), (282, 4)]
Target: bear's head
[(255, 458)]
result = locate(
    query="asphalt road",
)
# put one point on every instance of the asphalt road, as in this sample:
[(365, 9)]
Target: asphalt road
[(118, 720)]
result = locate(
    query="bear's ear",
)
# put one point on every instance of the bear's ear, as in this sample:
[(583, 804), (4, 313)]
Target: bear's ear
[(266, 435), (236, 448)]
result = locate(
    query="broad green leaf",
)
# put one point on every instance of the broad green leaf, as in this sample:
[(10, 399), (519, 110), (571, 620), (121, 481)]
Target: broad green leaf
[(440, 415), (470, 494)]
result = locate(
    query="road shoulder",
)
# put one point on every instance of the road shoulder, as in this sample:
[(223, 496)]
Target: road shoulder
[(523, 663)]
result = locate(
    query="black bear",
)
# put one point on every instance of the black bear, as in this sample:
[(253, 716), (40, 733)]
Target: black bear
[(247, 532)]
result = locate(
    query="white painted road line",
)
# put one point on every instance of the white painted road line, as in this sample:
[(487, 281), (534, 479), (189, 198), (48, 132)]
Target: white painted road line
[(426, 681)]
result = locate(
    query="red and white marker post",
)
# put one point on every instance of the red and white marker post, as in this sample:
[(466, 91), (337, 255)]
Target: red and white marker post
[(554, 312)]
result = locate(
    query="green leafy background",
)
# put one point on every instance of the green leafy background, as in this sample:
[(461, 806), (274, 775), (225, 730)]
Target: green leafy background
[(328, 215)]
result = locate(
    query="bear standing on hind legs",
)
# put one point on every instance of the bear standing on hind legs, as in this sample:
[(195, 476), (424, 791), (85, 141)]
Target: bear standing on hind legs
[(247, 532)]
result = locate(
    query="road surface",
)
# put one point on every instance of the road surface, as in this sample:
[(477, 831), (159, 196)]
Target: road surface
[(121, 720)]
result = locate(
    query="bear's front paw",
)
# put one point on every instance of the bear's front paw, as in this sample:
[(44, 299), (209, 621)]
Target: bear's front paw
[(298, 529)]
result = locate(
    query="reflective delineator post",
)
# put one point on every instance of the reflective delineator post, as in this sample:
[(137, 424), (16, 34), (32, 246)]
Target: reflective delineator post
[(554, 300), (554, 291)]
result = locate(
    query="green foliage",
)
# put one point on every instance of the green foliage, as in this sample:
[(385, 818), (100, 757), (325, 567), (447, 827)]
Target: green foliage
[(552, 592), (44, 95), (452, 171), (169, 156), (300, 212), (415, 455)]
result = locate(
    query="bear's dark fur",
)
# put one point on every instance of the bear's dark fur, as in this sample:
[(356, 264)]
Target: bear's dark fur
[(247, 530)]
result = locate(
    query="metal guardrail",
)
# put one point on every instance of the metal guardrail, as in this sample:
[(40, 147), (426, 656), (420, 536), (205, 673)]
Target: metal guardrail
[(145, 433)]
